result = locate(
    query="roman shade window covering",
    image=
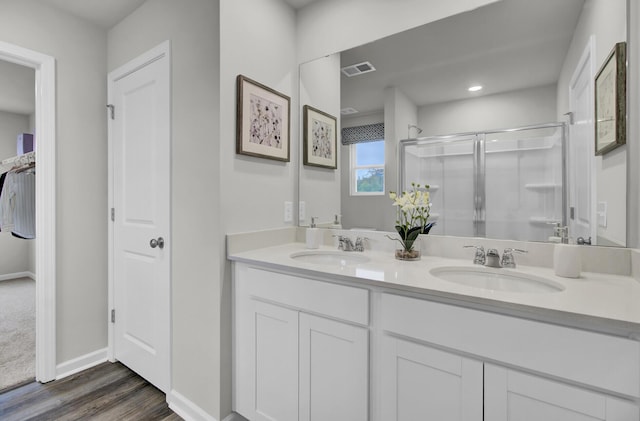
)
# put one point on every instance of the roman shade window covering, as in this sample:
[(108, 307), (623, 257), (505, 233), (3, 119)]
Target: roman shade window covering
[(363, 134)]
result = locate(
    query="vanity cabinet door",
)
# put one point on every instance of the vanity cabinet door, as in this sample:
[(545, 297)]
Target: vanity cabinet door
[(424, 383), (273, 364), (514, 396), (334, 367)]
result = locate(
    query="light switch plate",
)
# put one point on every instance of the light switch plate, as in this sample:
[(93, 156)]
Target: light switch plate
[(302, 211), (288, 211)]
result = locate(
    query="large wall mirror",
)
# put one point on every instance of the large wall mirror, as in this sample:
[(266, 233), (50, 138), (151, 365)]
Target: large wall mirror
[(536, 63)]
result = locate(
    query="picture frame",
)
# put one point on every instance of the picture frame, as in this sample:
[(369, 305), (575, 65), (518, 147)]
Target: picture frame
[(320, 139), (610, 101), (262, 121)]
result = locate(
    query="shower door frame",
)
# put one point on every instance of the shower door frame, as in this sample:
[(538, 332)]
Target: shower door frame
[(479, 162)]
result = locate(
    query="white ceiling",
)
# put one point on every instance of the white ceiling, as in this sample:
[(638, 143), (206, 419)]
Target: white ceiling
[(107, 13), (509, 45), (104, 13), (298, 4)]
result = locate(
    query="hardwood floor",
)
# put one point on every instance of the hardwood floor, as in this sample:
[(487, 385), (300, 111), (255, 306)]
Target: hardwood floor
[(109, 391)]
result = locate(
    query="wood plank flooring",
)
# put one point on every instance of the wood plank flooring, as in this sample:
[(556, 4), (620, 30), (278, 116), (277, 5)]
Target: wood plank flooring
[(109, 391)]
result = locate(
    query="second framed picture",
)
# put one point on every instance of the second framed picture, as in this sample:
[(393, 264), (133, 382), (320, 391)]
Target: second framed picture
[(611, 101), (319, 138)]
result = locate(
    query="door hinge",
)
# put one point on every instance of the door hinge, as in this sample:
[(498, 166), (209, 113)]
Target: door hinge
[(112, 108), (113, 214), (113, 315)]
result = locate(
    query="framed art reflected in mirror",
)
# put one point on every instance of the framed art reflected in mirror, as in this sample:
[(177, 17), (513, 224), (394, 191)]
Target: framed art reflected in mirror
[(610, 101), (320, 138)]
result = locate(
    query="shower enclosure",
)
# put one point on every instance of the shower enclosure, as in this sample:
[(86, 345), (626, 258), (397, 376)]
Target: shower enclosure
[(506, 184)]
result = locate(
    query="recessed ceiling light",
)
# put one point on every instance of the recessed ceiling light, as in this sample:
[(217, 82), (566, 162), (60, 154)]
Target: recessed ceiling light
[(348, 110), (475, 88)]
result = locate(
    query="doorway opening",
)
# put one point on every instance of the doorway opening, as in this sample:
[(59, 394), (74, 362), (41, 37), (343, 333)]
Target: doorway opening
[(45, 209)]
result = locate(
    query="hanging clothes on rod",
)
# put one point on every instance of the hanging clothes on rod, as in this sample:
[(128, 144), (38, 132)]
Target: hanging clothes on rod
[(18, 162), (17, 196)]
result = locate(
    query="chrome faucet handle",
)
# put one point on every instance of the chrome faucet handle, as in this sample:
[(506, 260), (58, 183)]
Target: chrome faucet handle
[(581, 241), (347, 244), (340, 241), (480, 257), (508, 261), (360, 243)]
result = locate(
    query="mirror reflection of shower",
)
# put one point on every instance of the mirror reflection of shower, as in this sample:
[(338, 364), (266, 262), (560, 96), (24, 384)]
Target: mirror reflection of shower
[(413, 126)]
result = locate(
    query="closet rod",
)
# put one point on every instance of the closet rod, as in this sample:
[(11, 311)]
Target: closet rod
[(17, 161)]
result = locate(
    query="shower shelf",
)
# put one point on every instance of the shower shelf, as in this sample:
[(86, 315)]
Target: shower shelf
[(543, 220), (542, 186)]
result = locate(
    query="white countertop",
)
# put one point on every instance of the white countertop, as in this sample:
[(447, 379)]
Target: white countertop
[(595, 301)]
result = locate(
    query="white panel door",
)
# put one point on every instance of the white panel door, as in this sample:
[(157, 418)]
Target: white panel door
[(140, 135), (515, 396), (424, 383), (581, 150), (334, 367), (274, 363)]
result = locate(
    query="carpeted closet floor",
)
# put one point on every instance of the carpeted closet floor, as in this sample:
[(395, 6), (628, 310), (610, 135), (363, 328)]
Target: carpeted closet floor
[(17, 332)]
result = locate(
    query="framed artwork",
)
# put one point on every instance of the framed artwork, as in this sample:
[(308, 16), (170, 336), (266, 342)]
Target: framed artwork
[(611, 100), (319, 138), (262, 121)]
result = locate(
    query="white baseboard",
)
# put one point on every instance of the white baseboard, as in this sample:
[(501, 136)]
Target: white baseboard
[(234, 417), (17, 275), (81, 363), (186, 409)]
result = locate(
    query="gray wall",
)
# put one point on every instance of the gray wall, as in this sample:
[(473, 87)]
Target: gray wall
[(320, 88), (501, 111), (192, 28), (80, 52)]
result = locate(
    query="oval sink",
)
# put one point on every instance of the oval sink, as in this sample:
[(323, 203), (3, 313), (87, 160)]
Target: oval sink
[(496, 279), (326, 257)]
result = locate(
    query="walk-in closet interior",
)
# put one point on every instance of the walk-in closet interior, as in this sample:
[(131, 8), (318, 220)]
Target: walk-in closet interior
[(17, 224)]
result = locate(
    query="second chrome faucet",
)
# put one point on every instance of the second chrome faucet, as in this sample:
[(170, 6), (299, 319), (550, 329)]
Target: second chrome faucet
[(492, 258)]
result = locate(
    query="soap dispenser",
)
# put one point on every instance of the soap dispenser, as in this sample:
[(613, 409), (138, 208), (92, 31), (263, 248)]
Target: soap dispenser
[(313, 235), (336, 223)]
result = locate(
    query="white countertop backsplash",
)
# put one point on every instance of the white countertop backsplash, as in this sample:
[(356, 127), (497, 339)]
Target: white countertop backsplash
[(605, 298)]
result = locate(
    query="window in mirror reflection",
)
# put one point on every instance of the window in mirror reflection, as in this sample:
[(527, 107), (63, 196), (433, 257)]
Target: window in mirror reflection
[(367, 168)]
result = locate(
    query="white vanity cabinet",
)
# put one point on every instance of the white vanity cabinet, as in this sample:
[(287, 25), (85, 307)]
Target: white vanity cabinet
[(313, 349), (301, 348), (419, 382), (511, 395), (549, 372)]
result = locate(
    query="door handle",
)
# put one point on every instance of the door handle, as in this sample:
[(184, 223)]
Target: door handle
[(157, 243)]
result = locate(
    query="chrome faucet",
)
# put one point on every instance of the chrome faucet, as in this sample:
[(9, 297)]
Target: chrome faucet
[(480, 257), (346, 244), (508, 261), (493, 259)]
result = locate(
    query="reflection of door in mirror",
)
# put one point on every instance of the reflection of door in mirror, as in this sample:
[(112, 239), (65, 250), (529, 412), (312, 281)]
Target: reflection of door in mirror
[(17, 256), (580, 149)]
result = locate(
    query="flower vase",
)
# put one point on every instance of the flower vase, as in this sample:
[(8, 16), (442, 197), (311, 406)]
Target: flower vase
[(414, 253), (410, 255)]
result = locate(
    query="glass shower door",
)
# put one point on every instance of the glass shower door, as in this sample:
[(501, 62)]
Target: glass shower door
[(524, 179), (448, 166)]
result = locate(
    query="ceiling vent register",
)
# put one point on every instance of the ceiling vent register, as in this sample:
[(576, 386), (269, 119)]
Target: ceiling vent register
[(358, 69)]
